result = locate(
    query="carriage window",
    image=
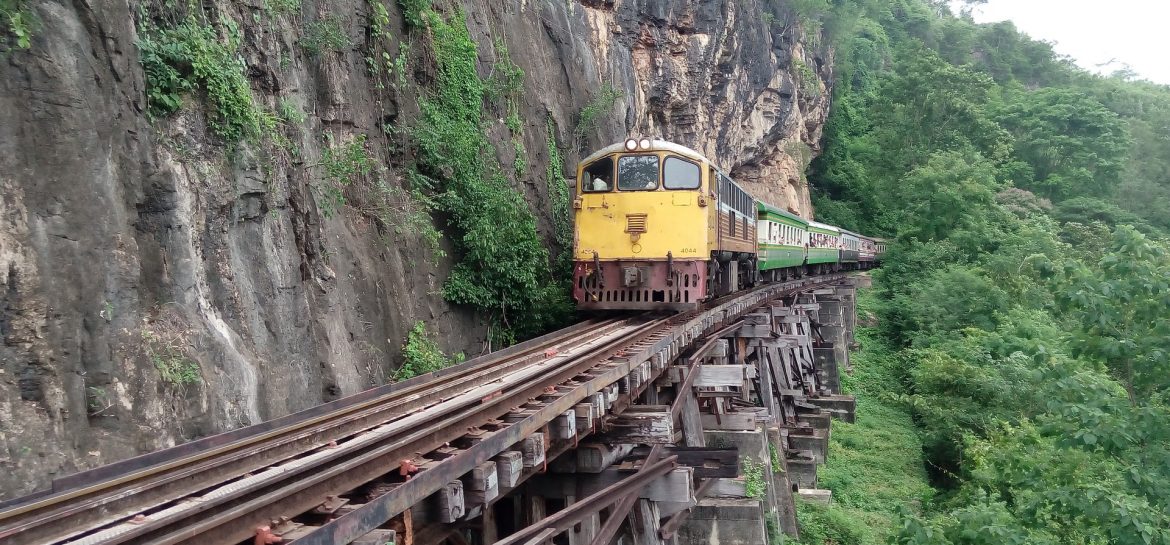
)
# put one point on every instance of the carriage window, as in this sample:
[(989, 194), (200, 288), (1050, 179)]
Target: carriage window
[(638, 172), (679, 174), (598, 176)]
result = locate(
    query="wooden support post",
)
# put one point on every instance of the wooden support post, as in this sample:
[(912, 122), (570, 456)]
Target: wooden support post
[(650, 397), (596, 457), (509, 466), (643, 520), (491, 530), (481, 485), (586, 530), (711, 376), (643, 425), (533, 449), (767, 397), (451, 502), (535, 509), (691, 421)]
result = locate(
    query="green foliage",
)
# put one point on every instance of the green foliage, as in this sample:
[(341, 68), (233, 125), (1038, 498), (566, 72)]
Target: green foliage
[(559, 193), (19, 24), (1026, 339), (168, 355), (806, 78), (407, 212), (753, 479), (194, 57), (503, 266), (600, 105), (877, 463), (415, 11), (1119, 308), (774, 458), (506, 79), (825, 525), (326, 34), (290, 113), (1073, 145), (342, 165), (422, 355), (283, 7)]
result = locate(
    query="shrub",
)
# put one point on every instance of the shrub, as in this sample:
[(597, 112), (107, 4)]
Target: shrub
[(167, 354), (19, 23), (327, 34), (503, 265), (601, 104), (192, 57), (421, 355), (414, 10), (343, 165)]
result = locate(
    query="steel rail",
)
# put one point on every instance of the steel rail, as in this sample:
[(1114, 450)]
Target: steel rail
[(229, 516), (439, 391), (107, 498), (381, 509)]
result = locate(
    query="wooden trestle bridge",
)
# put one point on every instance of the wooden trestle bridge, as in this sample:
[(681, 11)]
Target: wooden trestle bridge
[(644, 430)]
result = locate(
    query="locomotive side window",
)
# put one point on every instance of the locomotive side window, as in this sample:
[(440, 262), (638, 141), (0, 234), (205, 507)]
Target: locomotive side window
[(680, 174), (598, 176), (638, 173)]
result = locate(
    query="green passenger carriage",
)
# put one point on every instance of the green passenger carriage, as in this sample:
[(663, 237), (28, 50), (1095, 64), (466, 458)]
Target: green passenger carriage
[(824, 247), (782, 239)]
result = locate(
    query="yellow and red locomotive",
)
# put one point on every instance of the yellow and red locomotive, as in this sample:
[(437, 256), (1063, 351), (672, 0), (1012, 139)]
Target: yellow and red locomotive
[(657, 226)]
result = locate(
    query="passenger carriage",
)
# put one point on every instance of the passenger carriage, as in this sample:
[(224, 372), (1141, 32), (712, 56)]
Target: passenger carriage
[(824, 248), (867, 254), (850, 249), (782, 241)]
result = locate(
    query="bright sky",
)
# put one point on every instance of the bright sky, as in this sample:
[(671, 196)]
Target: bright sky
[(1134, 32)]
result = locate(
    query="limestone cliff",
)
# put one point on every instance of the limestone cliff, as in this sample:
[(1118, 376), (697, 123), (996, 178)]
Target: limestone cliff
[(134, 245)]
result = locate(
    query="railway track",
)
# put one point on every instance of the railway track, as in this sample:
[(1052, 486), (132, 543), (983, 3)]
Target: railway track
[(220, 489)]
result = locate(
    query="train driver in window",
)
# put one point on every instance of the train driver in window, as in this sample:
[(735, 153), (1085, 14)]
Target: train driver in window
[(599, 176)]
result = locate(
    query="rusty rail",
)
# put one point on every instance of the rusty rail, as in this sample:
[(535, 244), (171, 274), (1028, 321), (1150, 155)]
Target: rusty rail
[(219, 489)]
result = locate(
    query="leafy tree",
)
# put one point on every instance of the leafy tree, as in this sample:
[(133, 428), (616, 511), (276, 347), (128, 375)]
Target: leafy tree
[(950, 191), (1120, 311), (1074, 145)]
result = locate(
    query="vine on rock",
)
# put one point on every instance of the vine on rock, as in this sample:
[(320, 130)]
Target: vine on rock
[(503, 266)]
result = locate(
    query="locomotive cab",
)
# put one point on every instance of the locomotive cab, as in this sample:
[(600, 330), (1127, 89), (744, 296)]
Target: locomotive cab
[(640, 239), (657, 226)]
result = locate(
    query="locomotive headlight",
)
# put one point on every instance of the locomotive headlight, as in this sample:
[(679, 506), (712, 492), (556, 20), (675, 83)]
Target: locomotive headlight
[(631, 144), (644, 143)]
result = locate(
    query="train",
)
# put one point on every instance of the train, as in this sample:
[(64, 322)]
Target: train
[(658, 226)]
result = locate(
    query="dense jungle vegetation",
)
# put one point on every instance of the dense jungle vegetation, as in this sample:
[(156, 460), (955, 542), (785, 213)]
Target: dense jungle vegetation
[(1023, 312)]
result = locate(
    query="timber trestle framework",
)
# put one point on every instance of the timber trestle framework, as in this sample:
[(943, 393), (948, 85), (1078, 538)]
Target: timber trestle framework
[(643, 430)]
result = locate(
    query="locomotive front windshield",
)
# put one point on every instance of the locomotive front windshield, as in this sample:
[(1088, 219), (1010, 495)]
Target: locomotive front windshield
[(641, 172), (679, 173), (638, 173)]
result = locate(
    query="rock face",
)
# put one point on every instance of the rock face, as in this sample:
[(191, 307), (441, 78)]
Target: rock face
[(156, 286)]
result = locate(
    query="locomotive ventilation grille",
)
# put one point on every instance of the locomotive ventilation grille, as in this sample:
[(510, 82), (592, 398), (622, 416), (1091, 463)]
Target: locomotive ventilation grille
[(635, 223)]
